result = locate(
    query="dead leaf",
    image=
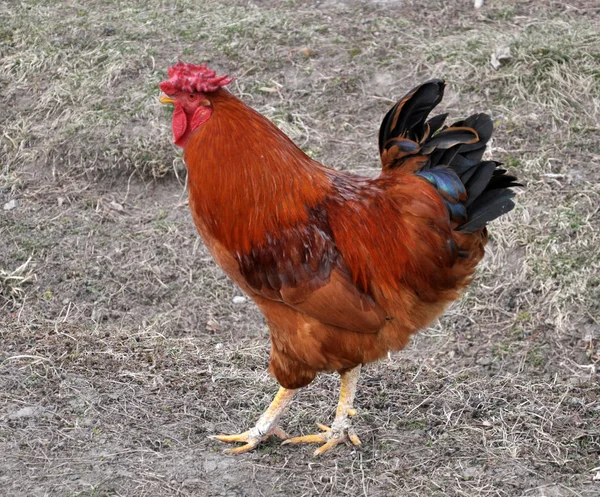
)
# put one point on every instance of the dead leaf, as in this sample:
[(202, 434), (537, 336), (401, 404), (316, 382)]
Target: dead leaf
[(213, 325), (500, 56)]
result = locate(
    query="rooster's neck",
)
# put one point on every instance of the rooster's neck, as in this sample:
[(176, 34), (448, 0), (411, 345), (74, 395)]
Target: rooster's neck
[(247, 179)]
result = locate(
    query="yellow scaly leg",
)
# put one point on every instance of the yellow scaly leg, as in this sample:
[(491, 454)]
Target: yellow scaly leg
[(265, 426), (341, 429)]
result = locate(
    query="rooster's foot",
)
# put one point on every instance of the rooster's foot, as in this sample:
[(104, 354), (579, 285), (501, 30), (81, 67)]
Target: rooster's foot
[(341, 429), (265, 427)]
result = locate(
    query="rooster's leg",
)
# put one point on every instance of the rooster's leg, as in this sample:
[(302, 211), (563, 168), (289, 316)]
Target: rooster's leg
[(341, 429), (265, 426)]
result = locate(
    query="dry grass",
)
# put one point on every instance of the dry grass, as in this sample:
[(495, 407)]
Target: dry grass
[(126, 350), (12, 282)]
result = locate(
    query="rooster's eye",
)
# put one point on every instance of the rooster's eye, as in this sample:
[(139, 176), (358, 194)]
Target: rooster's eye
[(192, 96)]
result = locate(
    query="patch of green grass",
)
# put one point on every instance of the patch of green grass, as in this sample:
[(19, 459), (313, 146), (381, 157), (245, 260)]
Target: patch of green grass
[(413, 424), (536, 357)]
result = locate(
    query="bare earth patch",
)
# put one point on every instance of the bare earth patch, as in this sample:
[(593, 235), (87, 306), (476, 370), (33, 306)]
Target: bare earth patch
[(121, 347)]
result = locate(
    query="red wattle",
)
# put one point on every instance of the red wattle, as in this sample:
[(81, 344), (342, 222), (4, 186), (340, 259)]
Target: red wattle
[(179, 123)]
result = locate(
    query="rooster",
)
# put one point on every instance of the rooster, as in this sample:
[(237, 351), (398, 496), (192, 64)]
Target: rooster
[(344, 268)]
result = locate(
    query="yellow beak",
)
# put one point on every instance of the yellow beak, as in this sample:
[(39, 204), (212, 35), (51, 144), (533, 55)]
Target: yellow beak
[(163, 99)]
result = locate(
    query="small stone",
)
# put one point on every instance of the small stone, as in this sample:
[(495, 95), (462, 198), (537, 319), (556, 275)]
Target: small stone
[(238, 299), (10, 205)]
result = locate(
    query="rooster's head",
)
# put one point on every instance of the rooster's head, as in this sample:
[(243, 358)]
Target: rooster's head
[(188, 88)]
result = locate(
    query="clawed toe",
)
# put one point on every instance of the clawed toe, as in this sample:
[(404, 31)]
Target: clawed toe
[(250, 442), (240, 437), (329, 438), (306, 439)]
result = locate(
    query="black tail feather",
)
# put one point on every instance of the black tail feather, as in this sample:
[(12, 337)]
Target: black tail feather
[(407, 118), (449, 138), (435, 123), (484, 127), (466, 175), (489, 206), (479, 180), (459, 148)]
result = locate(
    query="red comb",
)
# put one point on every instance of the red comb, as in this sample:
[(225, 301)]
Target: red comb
[(192, 77)]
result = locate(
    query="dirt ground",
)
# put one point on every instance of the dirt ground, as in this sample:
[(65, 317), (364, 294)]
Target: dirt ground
[(121, 346)]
